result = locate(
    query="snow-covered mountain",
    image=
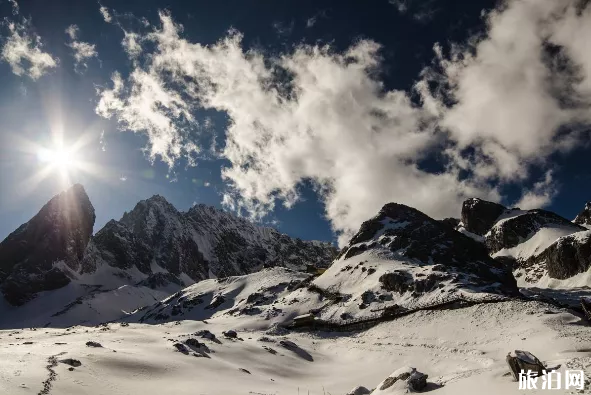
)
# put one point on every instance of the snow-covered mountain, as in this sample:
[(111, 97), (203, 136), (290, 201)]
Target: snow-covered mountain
[(536, 243), (152, 252), (584, 217)]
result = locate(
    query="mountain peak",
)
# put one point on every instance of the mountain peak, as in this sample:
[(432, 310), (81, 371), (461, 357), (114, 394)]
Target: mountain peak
[(60, 231), (478, 215), (584, 217)]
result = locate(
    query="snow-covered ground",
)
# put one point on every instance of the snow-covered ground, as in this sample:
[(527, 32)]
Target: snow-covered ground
[(463, 352)]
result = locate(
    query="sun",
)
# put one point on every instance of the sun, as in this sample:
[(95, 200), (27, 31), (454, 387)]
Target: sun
[(61, 159)]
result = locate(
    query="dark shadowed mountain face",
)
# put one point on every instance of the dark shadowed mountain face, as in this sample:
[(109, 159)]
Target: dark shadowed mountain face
[(584, 217), (478, 215), (59, 232)]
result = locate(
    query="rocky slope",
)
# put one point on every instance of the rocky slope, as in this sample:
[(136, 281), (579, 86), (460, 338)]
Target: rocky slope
[(534, 242), (202, 243), (58, 233)]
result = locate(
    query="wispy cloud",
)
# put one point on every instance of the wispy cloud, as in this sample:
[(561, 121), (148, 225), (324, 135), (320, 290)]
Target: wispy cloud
[(82, 51), (23, 48), (106, 14)]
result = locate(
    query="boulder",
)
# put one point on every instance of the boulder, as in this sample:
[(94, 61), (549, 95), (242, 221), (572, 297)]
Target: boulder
[(406, 379), (231, 334), (72, 362), (526, 361)]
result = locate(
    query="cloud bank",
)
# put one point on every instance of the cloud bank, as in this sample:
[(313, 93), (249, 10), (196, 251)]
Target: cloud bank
[(489, 108)]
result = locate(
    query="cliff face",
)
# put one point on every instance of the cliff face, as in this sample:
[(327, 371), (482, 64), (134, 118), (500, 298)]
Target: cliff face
[(59, 232)]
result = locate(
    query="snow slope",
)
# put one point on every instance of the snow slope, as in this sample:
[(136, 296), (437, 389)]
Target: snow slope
[(463, 352), (537, 243)]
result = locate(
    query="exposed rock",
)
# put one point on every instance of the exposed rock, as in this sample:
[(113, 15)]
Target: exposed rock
[(478, 215), (181, 348), (522, 225), (405, 378), (419, 238), (72, 362), (584, 217), (567, 256), (288, 344), (524, 361), (58, 233), (244, 370), (276, 330), (451, 222), (193, 343), (205, 334), (358, 391), (93, 344), (216, 302), (231, 334)]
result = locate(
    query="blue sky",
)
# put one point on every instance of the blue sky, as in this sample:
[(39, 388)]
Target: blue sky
[(305, 115)]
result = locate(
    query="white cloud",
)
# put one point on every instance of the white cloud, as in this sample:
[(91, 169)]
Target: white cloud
[(540, 195), (206, 184), (122, 178), (132, 44), (102, 141), (106, 14), (311, 21), (358, 144), (23, 50), (509, 91), (82, 51), (332, 123)]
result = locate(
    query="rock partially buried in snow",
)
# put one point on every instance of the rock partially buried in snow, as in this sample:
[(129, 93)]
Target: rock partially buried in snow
[(358, 391), (93, 344), (524, 361), (205, 334), (401, 381), (72, 362), (230, 334)]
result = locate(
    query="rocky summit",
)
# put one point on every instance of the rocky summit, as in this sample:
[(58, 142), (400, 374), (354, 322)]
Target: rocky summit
[(584, 217), (59, 232), (478, 215)]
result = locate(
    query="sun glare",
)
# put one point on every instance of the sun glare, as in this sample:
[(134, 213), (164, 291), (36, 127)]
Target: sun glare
[(60, 159)]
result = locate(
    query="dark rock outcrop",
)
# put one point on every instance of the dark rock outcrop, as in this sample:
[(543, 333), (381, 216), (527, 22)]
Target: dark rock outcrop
[(413, 236), (451, 222), (513, 231), (60, 232), (584, 217), (568, 256), (478, 215)]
